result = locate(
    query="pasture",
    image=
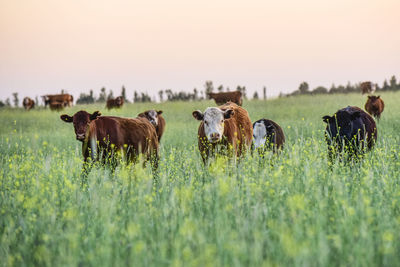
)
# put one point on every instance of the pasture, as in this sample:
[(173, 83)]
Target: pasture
[(290, 210)]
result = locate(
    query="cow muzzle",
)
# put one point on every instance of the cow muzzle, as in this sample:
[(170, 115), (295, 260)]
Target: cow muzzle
[(214, 137), (80, 137)]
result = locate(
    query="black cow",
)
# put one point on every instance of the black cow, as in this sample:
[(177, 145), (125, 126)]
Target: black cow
[(267, 135), (350, 130)]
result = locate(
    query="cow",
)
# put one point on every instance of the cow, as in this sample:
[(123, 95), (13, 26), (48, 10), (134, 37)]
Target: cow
[(115, 103), (57, 106), (227, 126), (131, 137), (66, 99), (267, 135), (222, 98), (156, 119), (350, 130), (375, 106), (367, 87), (28, 103)]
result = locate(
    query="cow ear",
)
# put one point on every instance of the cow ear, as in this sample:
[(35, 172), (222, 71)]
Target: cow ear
[(355, 115), (159, 112), (66, 118), (198, 115), (369, 97), (378, 96), (95, 115), (326, 119), (228, 113)]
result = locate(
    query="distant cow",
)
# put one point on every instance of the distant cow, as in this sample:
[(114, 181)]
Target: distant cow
[(375, 106), (267, 135), (348, 130), (367, 87), (228, 125), (111, 134), (115, 103), (57, 106), (66, 99), (156, 119), (222, 98), (28, 103)]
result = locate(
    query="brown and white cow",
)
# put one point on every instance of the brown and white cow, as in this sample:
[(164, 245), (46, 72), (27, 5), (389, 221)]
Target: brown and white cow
[(131, 137), (224, 97), (156, 119), (28, 103), (65, 99), (375, 106), (228, 125), (115, 103)]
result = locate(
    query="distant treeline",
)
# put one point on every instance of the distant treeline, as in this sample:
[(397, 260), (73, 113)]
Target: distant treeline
[(195, 95), (392, 85)]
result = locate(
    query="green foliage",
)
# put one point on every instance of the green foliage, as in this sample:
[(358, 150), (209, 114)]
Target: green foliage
[(295, 209)]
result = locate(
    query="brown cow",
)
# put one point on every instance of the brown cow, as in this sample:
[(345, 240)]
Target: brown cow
[(57, 106), (115, 103), (28, 103), (367, 87), (156, 120), (66, 99), (131, 137), (375, 106), (222, 98), (228, 125)]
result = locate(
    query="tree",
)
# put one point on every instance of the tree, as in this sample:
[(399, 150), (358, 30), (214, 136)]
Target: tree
[(195, 94), (393, 83), (86, 99), (16, 100), (303, 88), (8, 104), (255, 96), (220, 88), (320, 90), (209, 88), (123, 94), (136, 97), (242, 89), (265, 93), (103, 95), (160, 94), (385, 86), (2, 104)]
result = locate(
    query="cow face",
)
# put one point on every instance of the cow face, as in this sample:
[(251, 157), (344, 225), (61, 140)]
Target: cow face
[(213, 119), (152, 116), (342, 124), (81, 120), (119, 101), (262, 133)]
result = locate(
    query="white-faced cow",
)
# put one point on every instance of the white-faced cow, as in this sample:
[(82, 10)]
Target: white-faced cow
[(156, 119), (267, 135), (228, 125)]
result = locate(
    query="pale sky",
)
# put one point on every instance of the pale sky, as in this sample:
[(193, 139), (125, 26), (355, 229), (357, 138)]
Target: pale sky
[(78, 45)]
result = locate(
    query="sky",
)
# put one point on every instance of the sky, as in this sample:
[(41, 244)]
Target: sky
[(78, 45)]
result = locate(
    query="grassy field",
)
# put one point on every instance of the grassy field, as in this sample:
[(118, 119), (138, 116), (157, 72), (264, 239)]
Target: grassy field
[(291, 210)]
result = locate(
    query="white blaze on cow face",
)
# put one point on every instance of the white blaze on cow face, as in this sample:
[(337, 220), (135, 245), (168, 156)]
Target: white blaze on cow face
[(259, 134), (213, 119), (152, 115)]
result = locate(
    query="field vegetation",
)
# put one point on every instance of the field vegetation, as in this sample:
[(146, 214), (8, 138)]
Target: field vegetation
[(286, 210)]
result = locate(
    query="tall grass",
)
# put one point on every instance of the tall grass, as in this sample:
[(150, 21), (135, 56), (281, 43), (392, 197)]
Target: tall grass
[(287, 210)]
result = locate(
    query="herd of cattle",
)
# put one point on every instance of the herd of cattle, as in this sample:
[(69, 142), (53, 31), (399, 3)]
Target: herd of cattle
[(225, 129)]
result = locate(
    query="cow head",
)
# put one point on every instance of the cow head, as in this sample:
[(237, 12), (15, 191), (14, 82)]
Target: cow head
[(261, 133), (373, 98), (342, 124), (152, 116), (119, 101), (213, 119), (81, 120)]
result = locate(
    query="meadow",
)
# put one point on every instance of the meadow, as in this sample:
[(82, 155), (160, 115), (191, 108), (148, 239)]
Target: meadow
[(286, 210)]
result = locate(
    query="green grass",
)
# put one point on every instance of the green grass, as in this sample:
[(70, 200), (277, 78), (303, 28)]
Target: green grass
[(287, 210)]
